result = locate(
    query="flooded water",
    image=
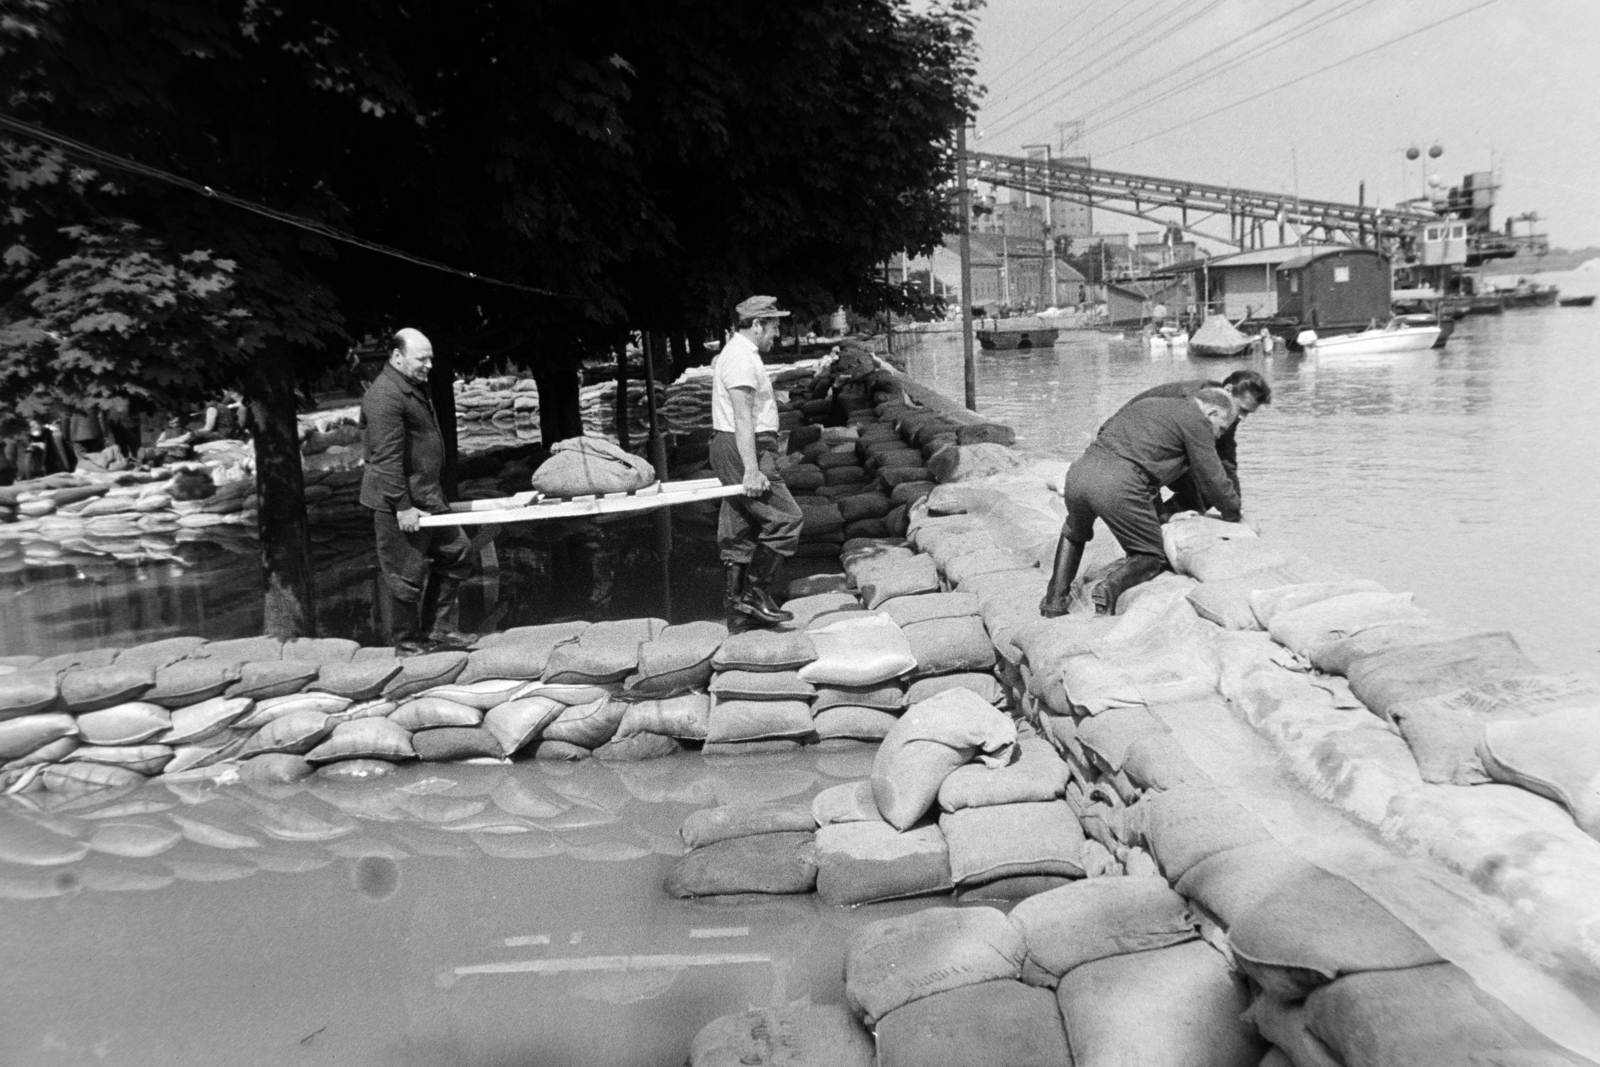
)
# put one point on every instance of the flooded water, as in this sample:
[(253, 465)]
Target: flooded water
[(1465, 475), (460, 915)]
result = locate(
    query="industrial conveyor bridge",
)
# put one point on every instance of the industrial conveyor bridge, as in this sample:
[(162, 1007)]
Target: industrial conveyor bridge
[(1249, 211)]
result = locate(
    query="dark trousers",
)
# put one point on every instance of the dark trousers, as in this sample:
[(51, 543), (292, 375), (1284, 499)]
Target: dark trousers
[(1119, 492), (771, 519), (406, 559)]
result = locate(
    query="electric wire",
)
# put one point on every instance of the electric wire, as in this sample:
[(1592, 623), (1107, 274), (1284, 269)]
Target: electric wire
[(1143, 46), (1303, 77), (116, 162), (1139, 38), (1011, 73), (1086, 43)]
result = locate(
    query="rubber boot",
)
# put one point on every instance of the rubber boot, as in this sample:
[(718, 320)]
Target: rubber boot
[(1127, 573), (439, 614), (744, 610), (1069, 554), (405, 630), (766, 567)]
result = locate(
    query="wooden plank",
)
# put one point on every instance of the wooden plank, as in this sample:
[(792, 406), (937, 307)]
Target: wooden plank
[(519, 508)]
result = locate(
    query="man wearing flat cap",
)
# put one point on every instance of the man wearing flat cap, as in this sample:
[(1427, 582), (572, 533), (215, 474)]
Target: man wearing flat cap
[(757, 531)]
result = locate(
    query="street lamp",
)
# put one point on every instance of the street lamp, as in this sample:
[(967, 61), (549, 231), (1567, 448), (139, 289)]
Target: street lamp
[(1049, 227)]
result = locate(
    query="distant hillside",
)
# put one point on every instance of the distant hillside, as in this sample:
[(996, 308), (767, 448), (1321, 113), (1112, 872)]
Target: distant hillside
[(1557, 259)]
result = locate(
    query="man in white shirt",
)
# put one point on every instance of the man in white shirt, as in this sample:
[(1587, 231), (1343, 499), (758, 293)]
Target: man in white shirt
[(756, 532)]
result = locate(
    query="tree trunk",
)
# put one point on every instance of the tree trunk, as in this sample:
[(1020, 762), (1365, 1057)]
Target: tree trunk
[(680, 354), (559, 414), (442, 391), (622, 397), (289, 608)]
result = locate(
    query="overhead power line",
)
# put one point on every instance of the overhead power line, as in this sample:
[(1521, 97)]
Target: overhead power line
[(322, 229), (1046, 39), (1104, 70), (1316, 22), (1084, 44), (1295, 81)]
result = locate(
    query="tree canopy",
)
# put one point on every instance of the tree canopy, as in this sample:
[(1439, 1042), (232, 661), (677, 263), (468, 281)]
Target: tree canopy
[(646, 164)]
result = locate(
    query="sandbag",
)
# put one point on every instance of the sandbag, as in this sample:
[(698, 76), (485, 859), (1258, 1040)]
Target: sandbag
[(28, 733), (158, 654), (518, 723), (1037, 775), (521, 652), (482, 695), (907, 576), (1316, 926), (146, 760), (367, 739), (265, 679), (870, 650), (762, 863), (1093, 919), (929, 741), (428, 713), (456, 743), (886, 697), (1184, 826), (1383, 679), (762, 685), (981, 684), (1005, 840), (863, 506), (1303, 629), (710, 825), (1010, 890), (186, 682), (1001, 1023), (849, 802), (607, 652), (945, 646), (421, 673), (1444, 731), (1422, 1017), (1555, 755), (580, 466), (892, 962), (358, 681), (860, 724), (764, 650), (864, 862), (637, 747), (585, 725), (1268, 602), (925, 607), (296, 733), (806, 608), (678, 659), (1159, 761), (26, 692), (821, 1035), (1336, 656), (686, 716), (758, 720), (92, 688), (1110, 734), (1284, 1024), (1178, 1006), (1222, 560)]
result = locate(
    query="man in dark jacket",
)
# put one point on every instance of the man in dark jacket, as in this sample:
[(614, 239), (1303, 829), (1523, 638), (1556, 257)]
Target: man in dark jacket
[(1148, 444), (1249, 391), (404, 458)]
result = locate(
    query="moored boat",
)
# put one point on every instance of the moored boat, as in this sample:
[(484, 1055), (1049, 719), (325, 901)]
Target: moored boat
[(1023, 332), (1218, 337), (1397, 336), (1578, 301)]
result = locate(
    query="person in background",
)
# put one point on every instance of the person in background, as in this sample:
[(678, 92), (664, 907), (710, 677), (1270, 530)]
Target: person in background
[(422, 566), (1149, 444), (1249, 391), (86, 431), (225, 419), (757, 531)]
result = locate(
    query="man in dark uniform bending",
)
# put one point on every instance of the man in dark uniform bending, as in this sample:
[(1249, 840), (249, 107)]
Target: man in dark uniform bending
[(1147, 445), (1249, 391), (400, 483)]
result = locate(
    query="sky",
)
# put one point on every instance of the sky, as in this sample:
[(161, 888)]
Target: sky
[(1513, 84)]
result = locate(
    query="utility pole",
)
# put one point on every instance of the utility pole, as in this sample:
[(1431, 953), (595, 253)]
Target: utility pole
[(969, 368), (1049, 222)]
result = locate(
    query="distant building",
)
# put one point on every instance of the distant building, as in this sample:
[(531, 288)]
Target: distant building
[(1133, 303), (1336, 289), (1243, 284)]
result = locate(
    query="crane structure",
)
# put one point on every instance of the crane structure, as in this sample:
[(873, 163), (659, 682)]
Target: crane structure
[(1249, 211)]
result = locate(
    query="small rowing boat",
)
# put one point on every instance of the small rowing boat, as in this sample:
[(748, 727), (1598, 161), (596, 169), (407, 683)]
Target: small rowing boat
[(1578, 301), (1218, 337)]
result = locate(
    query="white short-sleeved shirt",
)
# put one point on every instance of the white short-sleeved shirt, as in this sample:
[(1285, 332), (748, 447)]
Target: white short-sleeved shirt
[(739, 365)]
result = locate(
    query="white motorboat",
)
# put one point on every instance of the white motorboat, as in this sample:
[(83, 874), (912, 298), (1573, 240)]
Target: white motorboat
[(1167, 341), (1398, 336)]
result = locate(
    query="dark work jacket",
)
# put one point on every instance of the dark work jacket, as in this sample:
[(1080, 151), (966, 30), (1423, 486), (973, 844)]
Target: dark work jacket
[(1227, 447), (404, 449), (1167, 438)]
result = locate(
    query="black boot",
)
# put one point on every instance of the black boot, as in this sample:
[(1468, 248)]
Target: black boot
[(743, 607), (405, 630), (1069, 554), (1124, 575), (765, 570), (439, 615)]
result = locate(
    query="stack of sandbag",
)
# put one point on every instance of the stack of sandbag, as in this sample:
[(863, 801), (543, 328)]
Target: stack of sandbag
[(943, 987), (828, 470), (844, 712), (759, 699), (597, 404), (746, 848)]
